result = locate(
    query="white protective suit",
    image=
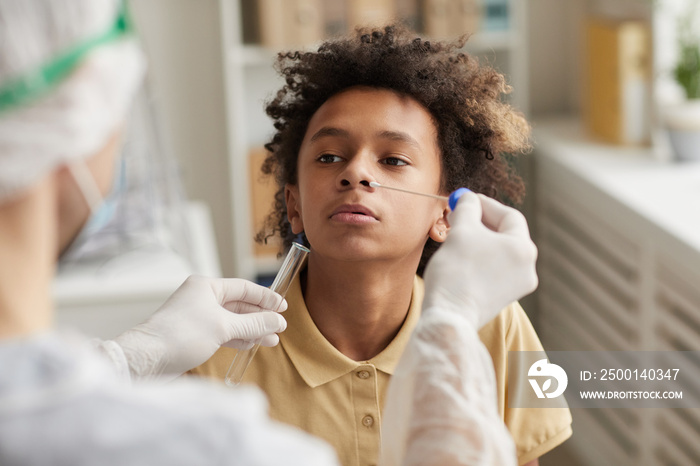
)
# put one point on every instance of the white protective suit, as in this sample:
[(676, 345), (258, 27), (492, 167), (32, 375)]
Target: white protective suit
[(62, 405)]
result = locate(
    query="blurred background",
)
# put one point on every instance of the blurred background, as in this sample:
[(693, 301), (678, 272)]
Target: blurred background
[(611, 88)]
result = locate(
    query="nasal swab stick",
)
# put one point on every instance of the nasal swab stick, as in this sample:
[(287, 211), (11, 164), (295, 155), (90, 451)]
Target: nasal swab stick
[(452, 199), (374, 184)]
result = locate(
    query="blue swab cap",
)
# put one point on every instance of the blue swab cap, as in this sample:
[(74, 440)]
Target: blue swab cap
[(454, 197)]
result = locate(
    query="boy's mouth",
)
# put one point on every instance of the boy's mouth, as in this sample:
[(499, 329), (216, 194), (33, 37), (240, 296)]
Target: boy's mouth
[(353, 213)]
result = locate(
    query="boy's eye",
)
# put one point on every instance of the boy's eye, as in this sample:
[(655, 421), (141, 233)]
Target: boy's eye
[(329, 158), (395, 161)]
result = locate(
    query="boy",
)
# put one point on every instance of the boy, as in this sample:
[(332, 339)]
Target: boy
[(387, 107)]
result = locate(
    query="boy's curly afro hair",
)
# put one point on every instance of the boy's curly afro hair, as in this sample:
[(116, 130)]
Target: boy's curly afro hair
[(477, 130)]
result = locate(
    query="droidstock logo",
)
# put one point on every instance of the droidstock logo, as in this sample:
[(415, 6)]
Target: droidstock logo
[(542, 368)]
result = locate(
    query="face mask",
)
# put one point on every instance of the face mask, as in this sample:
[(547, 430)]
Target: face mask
[(102, 210)]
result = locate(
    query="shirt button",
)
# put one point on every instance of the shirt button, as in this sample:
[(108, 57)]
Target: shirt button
[(363, 374), (367, 421)]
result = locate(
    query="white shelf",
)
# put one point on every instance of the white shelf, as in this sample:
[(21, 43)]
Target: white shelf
[(268, 265), (255, 55), (102, 299), (663, 193), (479, 43), (485, 41)]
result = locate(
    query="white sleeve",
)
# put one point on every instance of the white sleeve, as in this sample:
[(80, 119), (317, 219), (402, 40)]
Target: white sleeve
[(114, 354), (441, 406)]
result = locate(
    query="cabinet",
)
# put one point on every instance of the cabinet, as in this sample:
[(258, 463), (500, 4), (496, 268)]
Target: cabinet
[(250, 80), (619, 267)]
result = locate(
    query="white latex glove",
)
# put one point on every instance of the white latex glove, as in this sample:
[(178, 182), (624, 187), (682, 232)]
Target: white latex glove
[(441, 406), (487, 261), (200, 316)]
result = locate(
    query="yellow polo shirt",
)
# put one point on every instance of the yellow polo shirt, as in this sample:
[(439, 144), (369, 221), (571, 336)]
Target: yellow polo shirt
[(314, 386)]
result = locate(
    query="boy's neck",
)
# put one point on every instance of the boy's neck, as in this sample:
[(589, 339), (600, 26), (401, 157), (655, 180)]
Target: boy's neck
[(358, 307)]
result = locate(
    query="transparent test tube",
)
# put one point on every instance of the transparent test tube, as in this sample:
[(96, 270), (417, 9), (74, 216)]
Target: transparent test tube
[(290, 267)]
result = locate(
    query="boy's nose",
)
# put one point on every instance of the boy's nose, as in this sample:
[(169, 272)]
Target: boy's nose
[(345, 182), (356, 174)]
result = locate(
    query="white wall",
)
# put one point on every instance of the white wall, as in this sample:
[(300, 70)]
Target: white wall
[(182, 39)]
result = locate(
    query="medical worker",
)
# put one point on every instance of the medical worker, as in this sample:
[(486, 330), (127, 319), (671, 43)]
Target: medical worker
[(68, 71)]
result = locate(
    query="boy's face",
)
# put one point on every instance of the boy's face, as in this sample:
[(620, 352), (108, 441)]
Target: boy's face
[(361, 135)]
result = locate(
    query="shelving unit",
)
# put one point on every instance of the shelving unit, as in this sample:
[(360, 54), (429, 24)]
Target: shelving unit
[(250, 80), (103, 298)]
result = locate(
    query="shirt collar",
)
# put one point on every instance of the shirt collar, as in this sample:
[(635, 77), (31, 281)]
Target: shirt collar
[(317, 360)]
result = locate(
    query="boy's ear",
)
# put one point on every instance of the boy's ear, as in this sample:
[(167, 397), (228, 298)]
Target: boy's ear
[(438, 232), (291, 197)]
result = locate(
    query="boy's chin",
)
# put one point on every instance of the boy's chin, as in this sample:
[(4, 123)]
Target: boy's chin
[(361, 253)]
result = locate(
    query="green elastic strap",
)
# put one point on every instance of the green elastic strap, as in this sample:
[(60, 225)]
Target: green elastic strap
[(33, 85)]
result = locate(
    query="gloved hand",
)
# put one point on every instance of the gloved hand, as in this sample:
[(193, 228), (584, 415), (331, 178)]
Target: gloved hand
[(486, 262), (200, 316)]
